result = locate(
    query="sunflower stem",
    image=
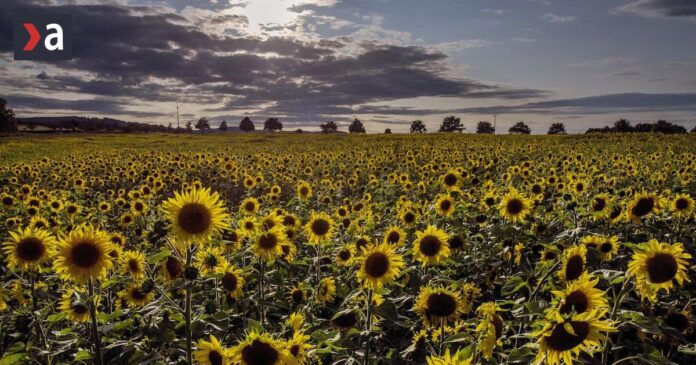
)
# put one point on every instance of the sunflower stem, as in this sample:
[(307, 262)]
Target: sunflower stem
[(187, 315), (95, 324), (35, 308), (262, 289), (366, 359)]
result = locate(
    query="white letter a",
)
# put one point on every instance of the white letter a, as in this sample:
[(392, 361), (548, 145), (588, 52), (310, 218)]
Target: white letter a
[(57, 44)]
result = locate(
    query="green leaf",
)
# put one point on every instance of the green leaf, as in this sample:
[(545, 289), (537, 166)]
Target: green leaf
[(158, 257), (83, 355), (14, 359)]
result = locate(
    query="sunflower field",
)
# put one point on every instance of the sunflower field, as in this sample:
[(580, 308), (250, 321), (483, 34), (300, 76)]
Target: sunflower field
[(299, 249)]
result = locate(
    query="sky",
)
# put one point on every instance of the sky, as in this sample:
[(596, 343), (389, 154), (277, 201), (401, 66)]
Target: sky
[(387, 62)]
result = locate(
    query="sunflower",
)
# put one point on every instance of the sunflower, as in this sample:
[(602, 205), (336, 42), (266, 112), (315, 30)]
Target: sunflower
[(490, 328), (261, 349), (320, 228), (682, 205), (326, 292), (431, 246), (210, 260), (642, 205), (600, 206), (83, 254), (28, 248), (73, 307), (249, 206), (211, 353), (172, 268), (656, 266), (514, 206), (231, 280), (394, 236), (135, 296), (379, 265), (195, 215), (38, 222), (268, 245), (345, 320), (608, 247), (448, 359), (562, 340), (444, 205), (579, 296), (297, 294), (295, 321), (298, 347), (345, 256), (451, 180), (304, 190), (574, 261), (133, 264), (409, 216), (438, 305), (138, 207), (249, 225)]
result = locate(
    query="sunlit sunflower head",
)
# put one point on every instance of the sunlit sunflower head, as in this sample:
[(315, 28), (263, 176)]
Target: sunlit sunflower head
[(83, 254), (211, 353), (600, 206), (444, 205), (268, 245), (451, 180), (682, 205), (514, 207), (642, 205), (449, 359), (579, 296), (574, 261), (28, 248), (261, 349), (291, 221), (409, 216), (320, 228), (298, 347), (295, 321), (439, 305), (345, 255), (133, 264), (271, 220), (394, 236), (657, 266), (210, 260), (231, 280), (249, 225), (304, 190), (431, 246), (379, 265), (562, 340), (74, 307), (326, 292), (249, 206), (195, 215)]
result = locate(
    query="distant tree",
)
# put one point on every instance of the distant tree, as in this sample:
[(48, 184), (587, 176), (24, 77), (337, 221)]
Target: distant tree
[(223, 126), (663, 126), (189, 126), (299, 130), (169, 127), (485, 128), (202, 124), (356, 126), (417, 126), (693, 130), (329, 127), (246, 125), (388, 131), (520, 128), (451, 124), (272, 125), (557, 128), (8, 123), (622, 126)]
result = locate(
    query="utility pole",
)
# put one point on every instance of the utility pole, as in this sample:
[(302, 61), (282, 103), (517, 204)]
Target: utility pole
[(177, 117), (495, 120)]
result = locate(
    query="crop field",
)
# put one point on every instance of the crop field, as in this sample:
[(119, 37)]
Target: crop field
[(271, 249)]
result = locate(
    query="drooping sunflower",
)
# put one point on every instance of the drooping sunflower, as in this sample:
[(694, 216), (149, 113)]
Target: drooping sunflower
[(211, 353), (431, 246), (656, 266), (72, 308), (579, 296), (136, 296), (133, 264), (195, 215), (438, 305), (326, 292), (642, 205), (682, 205), (261, 349), (319, 228), (28, 248), (449, 359), (379, 266), (172, 268), (574, 260), (490, 328), (83, 254), (299, 347), (561, 340), (232, 280), (268, 245), (514, 207)]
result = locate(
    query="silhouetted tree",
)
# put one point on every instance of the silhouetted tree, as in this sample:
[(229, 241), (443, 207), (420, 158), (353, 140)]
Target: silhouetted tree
[(557, 128), (328, 127), (520, 128), (202, 124), (388, 131), (693, 130), (356, 126), (246, 125), (622, 126), (189, 126), (272, 125), (485, 128), (417, 126), (451, 124), (299, 130), (8, 123), (169, 127), (223, 126)]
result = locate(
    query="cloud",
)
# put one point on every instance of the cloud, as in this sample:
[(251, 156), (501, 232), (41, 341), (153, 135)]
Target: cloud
[(599, 63), (554, 18), (661, 8)]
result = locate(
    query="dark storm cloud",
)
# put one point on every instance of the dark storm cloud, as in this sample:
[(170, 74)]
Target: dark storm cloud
[(97, 105), (129, 52), (662, 8)]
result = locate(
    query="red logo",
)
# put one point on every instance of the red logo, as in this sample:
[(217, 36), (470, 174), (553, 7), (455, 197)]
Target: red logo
[(34, 36)]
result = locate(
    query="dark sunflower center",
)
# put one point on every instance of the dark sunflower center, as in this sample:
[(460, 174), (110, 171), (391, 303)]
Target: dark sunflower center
[(344, 255), (377, 264), (450, 179), (174, 267), (297, 296), (133, 265), (259, 353), (606, 247), (30, 249), (456, 243), (304, 191), (575, 267), (360, 243), (214, 357), (194, 218), (514, 206), (249, 206), (229, 282), (7, 200), (678, 320), (445, 205), (643, 207), (294, 350), (430, 245), (393, 237), (441, 305), (498, 324), (268, 241), (347, 320), (409, 217), (85, 254), (289, 220), (681, 204), (577, 301), (79, 308), (560, 340), (320, 227), (662, 268), (490, 201), (599, 204)]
